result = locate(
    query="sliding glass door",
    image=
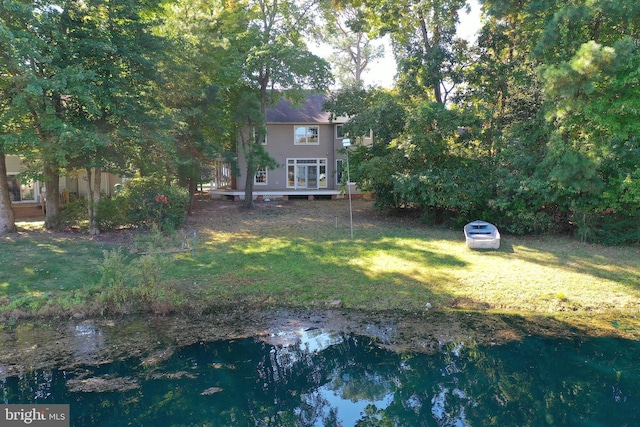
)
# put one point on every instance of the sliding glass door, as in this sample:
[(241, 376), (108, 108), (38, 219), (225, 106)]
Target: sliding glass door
[(309, 174)]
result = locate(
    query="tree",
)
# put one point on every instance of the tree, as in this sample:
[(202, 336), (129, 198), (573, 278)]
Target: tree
[(277, 62), (353, 49), (7, 217), (200, 76), (504, 102), (84, 80), (426, 49), (7, 65), (594, 157), (589, 60), (32, 114), (370, 110)]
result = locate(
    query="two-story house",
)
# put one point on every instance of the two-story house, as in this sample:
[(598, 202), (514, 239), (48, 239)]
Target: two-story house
[(306, 144)]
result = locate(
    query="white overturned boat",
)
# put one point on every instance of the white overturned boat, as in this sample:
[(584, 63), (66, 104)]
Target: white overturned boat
[(482, 235)]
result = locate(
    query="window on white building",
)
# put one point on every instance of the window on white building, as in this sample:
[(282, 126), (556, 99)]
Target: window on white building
[(21, 191)]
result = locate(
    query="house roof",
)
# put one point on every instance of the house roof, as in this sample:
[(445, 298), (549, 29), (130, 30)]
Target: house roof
[(310, 111)]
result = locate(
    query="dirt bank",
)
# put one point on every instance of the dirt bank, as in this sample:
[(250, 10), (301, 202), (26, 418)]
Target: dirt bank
[(70, 345)]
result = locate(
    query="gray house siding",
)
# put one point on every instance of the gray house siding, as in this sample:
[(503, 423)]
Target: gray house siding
[(306, 169), (281, 146)]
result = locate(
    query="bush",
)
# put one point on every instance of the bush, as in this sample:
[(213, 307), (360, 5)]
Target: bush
[(150, 201), (72, 214), (610, 228), (137, 284), (112, 213), (144, 203)]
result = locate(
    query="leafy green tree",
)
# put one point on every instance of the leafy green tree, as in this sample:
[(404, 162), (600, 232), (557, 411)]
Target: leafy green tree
[(7, 216), (504, 101), (353, 49), (119, 113), (370, 110), (198, 76), (33, 113), (83, 77), (277, 61), (425, 44), (590, 74)]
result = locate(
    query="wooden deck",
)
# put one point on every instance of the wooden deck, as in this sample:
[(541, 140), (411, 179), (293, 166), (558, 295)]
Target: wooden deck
[(236, 195)]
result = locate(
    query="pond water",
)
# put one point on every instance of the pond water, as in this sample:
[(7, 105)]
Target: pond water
[(319, 378)]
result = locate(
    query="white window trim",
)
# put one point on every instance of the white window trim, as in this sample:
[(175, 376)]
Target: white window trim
[(344, 171), (320, 162), (266, 177), (37, 195), (296, 127), (339, 125), (253, 135)]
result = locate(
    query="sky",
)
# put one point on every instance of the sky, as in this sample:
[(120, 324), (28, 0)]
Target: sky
[(382, 72)]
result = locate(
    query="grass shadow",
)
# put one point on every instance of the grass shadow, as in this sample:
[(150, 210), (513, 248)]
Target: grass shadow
[(404, 271), (615, 263)]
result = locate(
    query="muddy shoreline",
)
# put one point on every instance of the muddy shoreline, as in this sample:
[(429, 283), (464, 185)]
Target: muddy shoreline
[(73, 344)]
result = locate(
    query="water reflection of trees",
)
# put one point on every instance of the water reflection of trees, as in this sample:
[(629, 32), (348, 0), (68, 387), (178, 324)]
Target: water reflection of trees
[(350, 381)]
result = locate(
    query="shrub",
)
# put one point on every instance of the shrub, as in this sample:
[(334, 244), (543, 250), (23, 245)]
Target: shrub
[(151, 201), (72, 214), (137, 285), (112, 213), (611, 228)]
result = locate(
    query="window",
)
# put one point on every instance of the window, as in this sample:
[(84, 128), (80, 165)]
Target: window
[(21, 191), (307, 173), (341, 171), (339, 132), (306, 135), (260, 178), (254, 132)]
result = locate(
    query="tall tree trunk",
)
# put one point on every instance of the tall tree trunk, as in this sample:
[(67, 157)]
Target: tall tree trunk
[(249, 153), (436, 78), (248, 183), (193, 187), (94, 177), (52, 194), (7, 216)]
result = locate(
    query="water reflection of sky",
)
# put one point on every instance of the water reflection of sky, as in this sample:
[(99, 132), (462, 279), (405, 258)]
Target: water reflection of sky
[(337, 397), (307, 340), (348, 412), (444, 416), (315, 340), (291, 346), (313, 377)]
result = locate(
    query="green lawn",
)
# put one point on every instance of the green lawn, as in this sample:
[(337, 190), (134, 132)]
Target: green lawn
[(300, 254), (407, 268)]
